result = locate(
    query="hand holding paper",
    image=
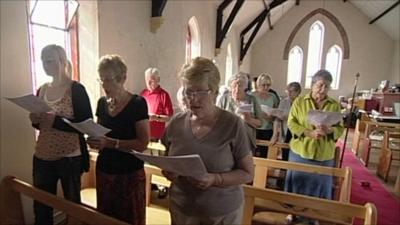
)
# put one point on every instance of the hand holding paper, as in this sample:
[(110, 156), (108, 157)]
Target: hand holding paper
[(185, 165), (322, 118), (244, 108), (272, 111), (31, 103)]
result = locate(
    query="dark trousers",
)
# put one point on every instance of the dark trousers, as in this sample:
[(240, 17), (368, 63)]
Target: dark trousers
[(262, 151), (45, 177)]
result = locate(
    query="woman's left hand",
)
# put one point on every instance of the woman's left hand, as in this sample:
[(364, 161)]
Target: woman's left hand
[(203, 183)]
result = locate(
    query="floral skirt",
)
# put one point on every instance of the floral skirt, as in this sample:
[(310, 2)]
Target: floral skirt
[(122, 196)]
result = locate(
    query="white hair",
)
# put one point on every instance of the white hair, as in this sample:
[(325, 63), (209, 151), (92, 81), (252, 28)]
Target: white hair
[(152, 72)]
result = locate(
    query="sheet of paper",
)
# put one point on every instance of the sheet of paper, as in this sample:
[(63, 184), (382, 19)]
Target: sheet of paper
[(185, 165), (31, 103), (318, 117), (89, 127), (272, 111), (244, 108)]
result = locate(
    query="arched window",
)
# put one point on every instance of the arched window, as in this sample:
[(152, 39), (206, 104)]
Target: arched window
[(315, 43), (295, 65), (193, 46), (334, 64), (52, 22), (228, 64)]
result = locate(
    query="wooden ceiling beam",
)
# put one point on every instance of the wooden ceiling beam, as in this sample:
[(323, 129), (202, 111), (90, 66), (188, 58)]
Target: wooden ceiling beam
[(156, 20), (384, 12), (222, 30), (256, 23)]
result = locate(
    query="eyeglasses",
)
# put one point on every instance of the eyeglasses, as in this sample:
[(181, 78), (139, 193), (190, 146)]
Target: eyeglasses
[(265, 84), (106, 80), (194, 94)]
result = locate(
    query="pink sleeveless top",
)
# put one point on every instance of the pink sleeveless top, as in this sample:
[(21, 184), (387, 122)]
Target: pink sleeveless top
[(53, 144)]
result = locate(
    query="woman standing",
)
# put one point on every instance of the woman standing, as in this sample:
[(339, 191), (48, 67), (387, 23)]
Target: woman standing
[(238, 99), (219, 137), (120, 177), (265, 97), (60, 152), (310, 144)]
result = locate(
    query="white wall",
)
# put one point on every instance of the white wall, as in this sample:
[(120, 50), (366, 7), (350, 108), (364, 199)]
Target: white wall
[(124, 28), (371, 50), (17, 135)]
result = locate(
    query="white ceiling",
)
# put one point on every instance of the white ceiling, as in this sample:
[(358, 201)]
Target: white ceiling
[(389, 23)]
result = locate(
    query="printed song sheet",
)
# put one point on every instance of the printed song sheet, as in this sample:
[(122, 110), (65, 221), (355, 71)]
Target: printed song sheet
[(272, 111), (185, 165), (89, 127), (244, 108), (318, 118), (31, 103)]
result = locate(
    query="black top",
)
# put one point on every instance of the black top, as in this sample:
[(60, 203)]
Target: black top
[(82, 111), (122, 127)]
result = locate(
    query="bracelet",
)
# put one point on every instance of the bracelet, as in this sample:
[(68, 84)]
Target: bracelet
[(116, 143)]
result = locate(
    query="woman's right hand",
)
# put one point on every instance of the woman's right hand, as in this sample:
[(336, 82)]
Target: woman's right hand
[(316, 134), (170, 175)]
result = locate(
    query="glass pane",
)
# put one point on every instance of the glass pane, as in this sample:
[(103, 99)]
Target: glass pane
[(55, 13), (333, 64), (228, 64), (295, 65), (43, 36), (315, 43)]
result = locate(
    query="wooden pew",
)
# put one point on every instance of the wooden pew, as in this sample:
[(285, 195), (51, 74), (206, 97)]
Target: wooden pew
[(359, 133), (11, 211), (390, 152), (154, 176), (273, 149), (343, 175), (306, 206)]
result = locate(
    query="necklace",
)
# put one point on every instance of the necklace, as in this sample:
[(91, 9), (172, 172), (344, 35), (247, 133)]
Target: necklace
[(113, 104)]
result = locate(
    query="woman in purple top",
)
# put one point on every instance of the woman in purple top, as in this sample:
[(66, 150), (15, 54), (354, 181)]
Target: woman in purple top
[(220, 139)]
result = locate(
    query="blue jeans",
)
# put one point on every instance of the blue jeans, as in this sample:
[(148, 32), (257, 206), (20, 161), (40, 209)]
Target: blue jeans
[(45, 177)]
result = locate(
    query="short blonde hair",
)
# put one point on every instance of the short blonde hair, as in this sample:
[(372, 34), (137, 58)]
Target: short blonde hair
[(264, 77), (201, 69), (114, 64)]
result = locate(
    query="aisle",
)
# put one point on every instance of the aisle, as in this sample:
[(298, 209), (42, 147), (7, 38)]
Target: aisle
[(388, 205)]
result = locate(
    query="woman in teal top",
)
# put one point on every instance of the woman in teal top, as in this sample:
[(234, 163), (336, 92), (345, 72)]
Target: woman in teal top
[(267, 98), (310, 144)]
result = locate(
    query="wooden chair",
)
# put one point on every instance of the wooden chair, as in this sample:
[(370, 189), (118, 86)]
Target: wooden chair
[(390, 152), (306, 206), (343, 175), (11, 211)]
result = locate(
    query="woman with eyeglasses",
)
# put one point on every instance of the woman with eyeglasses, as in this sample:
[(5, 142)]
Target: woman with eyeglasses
[(310, 144), (281, 131), (220, 138), (244, 105), (265, 97), (60, 151), (120, 177)]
